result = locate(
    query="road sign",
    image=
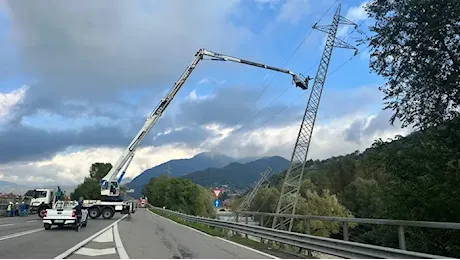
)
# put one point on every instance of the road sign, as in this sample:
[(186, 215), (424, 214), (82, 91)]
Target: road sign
[(216, 193), (217, 203)]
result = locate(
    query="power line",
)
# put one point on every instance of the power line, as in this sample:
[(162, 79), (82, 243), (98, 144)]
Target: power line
[(285, 63), (301, 95)]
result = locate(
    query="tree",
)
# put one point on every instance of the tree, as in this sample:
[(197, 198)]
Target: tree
[(90, 188), (179, 194), (98, 170), (416, 48)]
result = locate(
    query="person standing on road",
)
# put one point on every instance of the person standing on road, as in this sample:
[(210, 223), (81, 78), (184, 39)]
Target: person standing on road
[(22, 209), (9, 209), (78, 212)]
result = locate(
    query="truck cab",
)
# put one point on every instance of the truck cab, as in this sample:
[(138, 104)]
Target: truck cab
[(42, 199), (143, 202)]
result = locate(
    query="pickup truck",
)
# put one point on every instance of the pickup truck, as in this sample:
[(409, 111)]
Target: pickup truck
[(63, 214)]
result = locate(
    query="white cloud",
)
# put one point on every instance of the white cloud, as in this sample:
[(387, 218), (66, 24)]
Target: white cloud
[(328, 140), (294, 11), (115, 45), (356, 14), (210, 80), (71, 168), (9, 100)]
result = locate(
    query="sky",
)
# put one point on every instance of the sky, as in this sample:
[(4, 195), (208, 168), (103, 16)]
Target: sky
[(78, 79)]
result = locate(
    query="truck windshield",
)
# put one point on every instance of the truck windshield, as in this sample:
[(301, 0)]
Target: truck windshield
[(39, 194), (65, 204)]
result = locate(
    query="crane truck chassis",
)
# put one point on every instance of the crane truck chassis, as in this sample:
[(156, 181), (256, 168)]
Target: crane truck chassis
[(96, 208)]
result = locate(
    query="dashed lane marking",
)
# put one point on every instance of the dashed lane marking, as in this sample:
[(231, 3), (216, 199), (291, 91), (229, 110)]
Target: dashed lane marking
[(21, 234), (6, 225)]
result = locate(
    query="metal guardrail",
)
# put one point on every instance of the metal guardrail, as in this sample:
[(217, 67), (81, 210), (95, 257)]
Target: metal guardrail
[(345, 249), (401, 224)]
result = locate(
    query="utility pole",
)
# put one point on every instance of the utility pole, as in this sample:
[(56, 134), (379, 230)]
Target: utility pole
[(290, 191), (169, 171), (246, 203)]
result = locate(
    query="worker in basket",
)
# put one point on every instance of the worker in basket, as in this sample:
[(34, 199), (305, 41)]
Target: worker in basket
[(78, 213)]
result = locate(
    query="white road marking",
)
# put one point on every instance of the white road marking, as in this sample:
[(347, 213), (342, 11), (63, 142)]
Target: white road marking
[(6, 225), (121, 250), (96, 252), (87, 240), (248, 248), (107, 236), (21, 234), (30, 221)]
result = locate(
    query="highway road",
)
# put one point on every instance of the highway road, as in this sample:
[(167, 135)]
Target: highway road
[(145, 235), (26, 238)]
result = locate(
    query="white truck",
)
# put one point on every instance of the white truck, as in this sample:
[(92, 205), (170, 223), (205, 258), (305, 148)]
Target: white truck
[(43, 200), (63, 214)]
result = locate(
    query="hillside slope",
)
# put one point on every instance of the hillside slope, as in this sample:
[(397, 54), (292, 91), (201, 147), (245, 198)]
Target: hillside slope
[(238, 175), (180, 167)]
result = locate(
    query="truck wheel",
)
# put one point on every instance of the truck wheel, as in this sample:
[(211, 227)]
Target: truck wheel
[(94, 212), (47, 226), (107, 213), (41, 211)]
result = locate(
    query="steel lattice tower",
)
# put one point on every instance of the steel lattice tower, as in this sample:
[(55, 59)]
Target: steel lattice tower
[(293, 179), (251, 195)]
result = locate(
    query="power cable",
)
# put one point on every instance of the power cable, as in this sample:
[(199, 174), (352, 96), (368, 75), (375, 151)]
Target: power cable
[(285, 63)]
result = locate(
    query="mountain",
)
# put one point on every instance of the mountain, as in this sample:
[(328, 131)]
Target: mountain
[(237, 175), (7, 187), (179, 168), (20, 189)]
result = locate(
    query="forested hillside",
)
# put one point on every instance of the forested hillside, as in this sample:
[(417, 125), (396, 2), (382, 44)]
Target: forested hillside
[(237, 175)]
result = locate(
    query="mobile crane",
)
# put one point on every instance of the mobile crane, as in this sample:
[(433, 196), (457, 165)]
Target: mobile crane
[(110, 184)]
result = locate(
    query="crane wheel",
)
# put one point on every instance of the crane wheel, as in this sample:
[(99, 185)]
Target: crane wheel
[(94, 212), (107, 213)]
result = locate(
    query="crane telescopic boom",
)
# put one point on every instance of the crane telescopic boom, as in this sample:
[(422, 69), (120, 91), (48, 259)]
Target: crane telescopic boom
[(110, 184)]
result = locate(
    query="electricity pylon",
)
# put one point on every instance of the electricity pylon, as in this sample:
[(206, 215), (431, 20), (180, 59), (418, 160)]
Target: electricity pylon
[(289, 192), (251, 195)]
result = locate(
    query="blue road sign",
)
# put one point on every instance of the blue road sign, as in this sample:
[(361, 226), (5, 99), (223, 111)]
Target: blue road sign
[(217, 203)]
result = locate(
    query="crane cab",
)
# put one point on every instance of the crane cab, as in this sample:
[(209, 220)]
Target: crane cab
[(110, 189)]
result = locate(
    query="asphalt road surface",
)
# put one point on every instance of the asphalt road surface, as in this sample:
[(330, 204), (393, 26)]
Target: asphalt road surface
[(147, 236), (26, 238), (144, 236)]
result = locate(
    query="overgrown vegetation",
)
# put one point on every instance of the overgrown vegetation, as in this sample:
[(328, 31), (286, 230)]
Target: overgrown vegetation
[(180, 195), (90, 188)]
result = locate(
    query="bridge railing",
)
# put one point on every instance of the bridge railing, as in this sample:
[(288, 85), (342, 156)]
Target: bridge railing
[(401, 225), (336, 247)]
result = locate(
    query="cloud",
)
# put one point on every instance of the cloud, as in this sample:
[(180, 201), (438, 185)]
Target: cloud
[(210, 80), (361, 129), (71, 168), (294, 11), (114, 46), (355, 14), (199, 121), (329, 139)]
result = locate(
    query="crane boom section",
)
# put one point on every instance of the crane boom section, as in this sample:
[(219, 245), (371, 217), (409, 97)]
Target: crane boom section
[(219, 56), (149, 123), (109, 184)]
